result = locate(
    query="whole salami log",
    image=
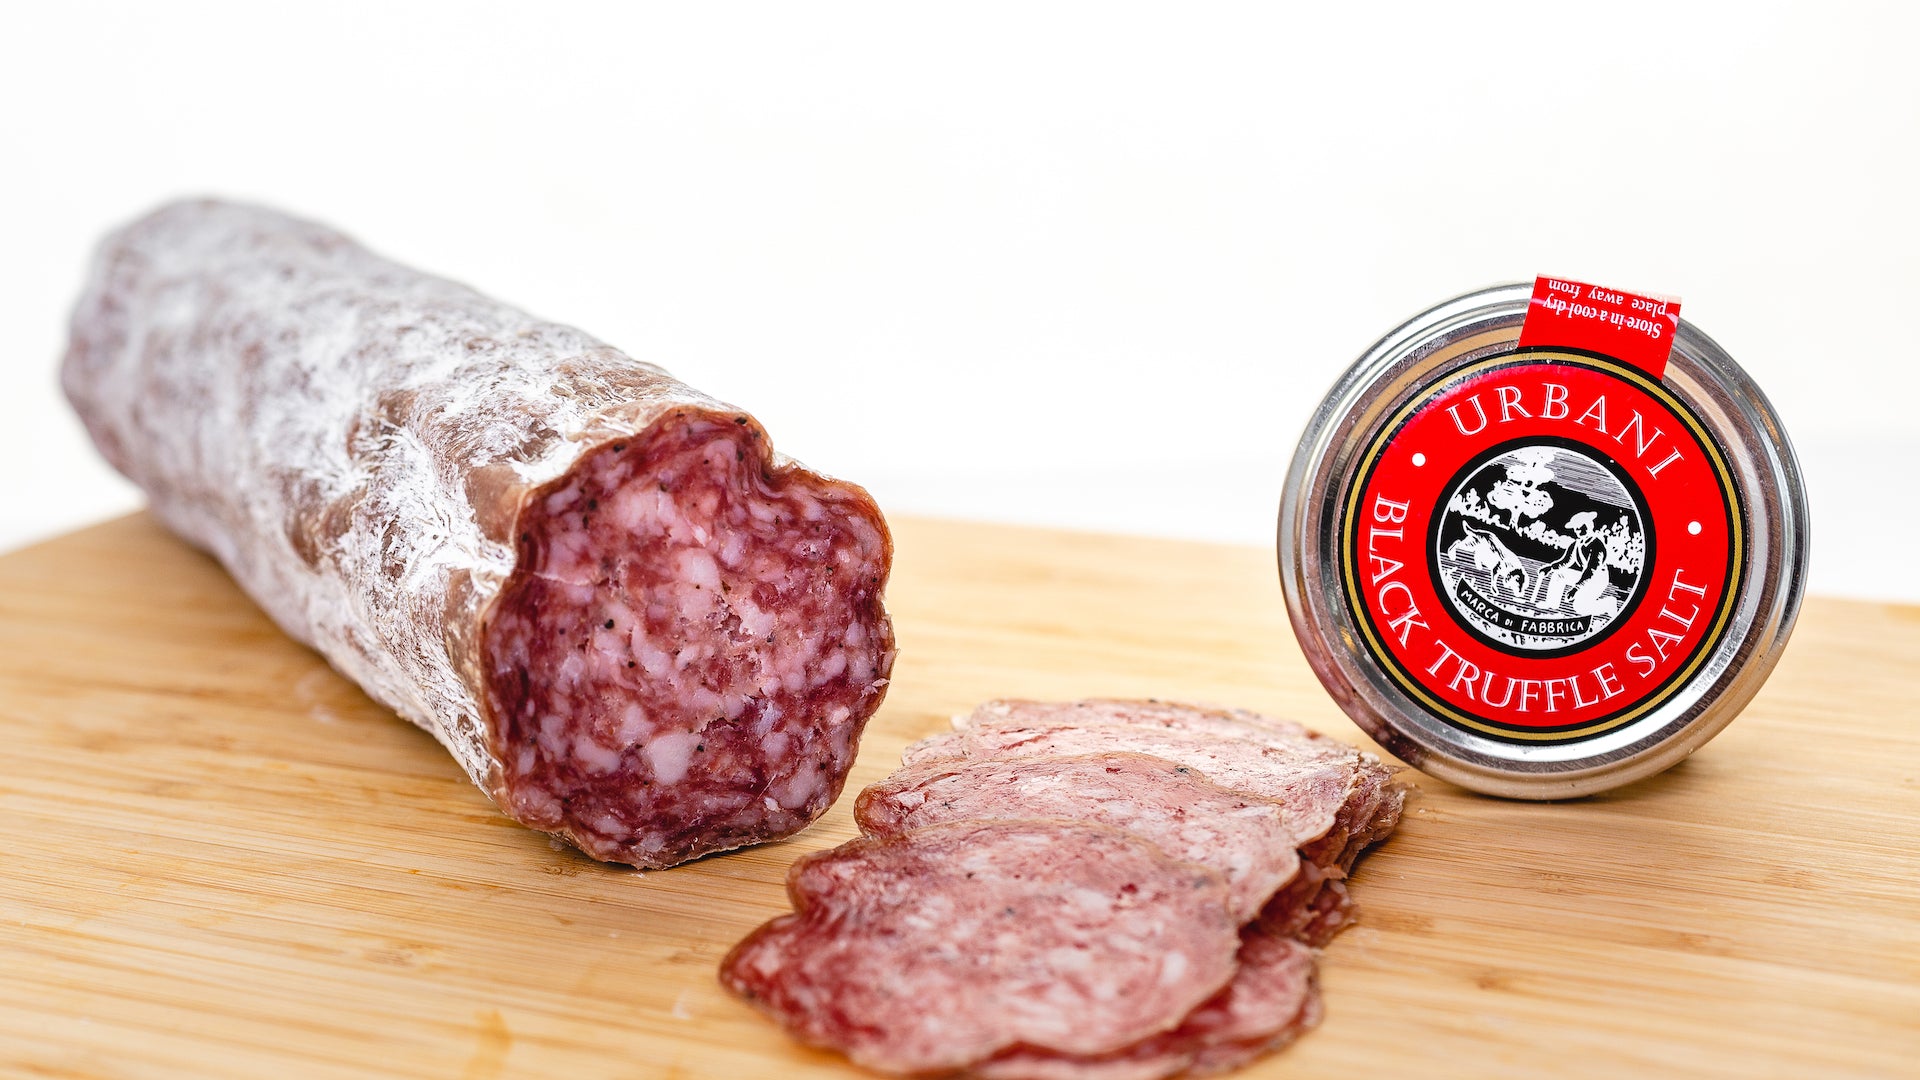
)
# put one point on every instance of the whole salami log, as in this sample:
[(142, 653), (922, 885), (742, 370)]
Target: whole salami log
[(633, 624)]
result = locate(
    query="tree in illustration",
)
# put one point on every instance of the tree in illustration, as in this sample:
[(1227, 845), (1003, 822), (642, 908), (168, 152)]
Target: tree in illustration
[(1520, 493)]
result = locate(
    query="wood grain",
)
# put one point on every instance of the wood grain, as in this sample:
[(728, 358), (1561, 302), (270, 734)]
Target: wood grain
[(222, 860)]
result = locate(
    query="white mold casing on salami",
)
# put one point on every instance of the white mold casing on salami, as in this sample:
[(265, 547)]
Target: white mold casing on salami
[(449, 499)]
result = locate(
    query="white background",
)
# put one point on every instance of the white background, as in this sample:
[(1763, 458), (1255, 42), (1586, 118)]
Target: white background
[(1084, 265)]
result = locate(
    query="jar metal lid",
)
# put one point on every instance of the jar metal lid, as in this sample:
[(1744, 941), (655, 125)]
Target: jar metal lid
[(1541, 572)]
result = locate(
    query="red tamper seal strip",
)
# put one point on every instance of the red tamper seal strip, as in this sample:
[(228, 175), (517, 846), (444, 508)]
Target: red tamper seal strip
[(1638, 329)]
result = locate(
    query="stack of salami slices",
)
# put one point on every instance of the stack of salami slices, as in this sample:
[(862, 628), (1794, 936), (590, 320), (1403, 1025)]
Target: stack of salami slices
[(1111, 889)]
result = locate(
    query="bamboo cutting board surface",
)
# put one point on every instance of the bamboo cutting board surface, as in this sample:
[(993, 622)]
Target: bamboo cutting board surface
[(217, 858)]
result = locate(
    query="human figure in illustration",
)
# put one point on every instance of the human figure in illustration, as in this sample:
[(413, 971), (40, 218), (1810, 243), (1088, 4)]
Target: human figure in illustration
[(1582, 568)]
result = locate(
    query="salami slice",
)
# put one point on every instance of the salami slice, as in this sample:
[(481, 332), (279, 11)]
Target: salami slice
[(1312, 908), (944, 946), (633, 623), (1271, 1001), (1338, 799), (1312, 786), (1149, 712), (1246, 839), (1277, 811)]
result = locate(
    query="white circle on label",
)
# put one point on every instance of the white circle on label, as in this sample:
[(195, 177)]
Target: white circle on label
[(1419, 460), (1540, 547), (1693, 528)]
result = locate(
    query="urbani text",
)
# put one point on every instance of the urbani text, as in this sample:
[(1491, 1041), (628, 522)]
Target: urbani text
[(1551, 401)]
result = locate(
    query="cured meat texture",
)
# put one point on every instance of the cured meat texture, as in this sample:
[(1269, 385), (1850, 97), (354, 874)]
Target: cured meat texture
[(505, 530), (1201, 719), (1271, 1001), (678, 660), (1338, 800), (939, 948), (1311, 782), (1246, 839), (1278, 811)]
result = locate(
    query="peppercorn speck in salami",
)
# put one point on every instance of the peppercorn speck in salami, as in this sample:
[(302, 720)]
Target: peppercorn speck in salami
[(632, 623)]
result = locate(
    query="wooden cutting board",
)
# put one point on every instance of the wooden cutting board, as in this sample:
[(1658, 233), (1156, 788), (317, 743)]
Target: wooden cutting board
[(217, 858)]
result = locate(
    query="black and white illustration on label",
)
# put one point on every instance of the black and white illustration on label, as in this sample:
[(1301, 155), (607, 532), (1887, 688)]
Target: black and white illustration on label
[(1540, 546)]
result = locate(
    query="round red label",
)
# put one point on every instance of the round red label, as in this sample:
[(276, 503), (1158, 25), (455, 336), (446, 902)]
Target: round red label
[(1542, 546)]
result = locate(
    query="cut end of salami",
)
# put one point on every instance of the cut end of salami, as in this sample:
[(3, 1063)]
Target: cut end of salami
[(684, 658)]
